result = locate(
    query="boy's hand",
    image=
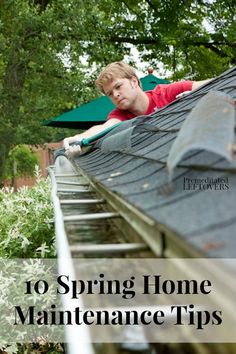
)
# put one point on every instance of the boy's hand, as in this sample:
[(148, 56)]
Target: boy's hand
[(73, 151), (66, 143), (183, 94)]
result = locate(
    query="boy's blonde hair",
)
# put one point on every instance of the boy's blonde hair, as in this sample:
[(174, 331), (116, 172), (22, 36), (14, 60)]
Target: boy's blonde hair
[(113, 71)]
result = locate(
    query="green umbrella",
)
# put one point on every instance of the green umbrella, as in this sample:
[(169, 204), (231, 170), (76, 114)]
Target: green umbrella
[(95, 111)]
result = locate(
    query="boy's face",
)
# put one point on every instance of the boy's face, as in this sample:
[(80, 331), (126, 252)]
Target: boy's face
[(122, 92)]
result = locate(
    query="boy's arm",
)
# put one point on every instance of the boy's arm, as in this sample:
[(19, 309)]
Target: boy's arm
[(197, 84), (75, 150)]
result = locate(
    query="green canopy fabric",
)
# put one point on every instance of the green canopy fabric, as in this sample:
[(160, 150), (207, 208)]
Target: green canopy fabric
[(95, 111)]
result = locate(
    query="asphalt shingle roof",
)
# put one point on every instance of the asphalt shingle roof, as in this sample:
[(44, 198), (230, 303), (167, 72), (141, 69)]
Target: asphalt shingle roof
[(204, 219)]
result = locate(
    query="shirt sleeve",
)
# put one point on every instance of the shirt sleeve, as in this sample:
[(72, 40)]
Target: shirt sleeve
[(118, 114), (115, 113), (170, 91)]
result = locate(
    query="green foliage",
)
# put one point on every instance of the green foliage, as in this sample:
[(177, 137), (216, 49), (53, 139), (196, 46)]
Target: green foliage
[(42, 43), (46, 348), (26, 228), (23, 159), (14, 275), (26, 231)]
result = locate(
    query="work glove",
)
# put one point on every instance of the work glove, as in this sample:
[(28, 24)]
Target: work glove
[(183, 94), (72, 150)]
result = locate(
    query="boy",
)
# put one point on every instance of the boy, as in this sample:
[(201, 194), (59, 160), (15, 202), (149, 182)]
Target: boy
[(120, 83)]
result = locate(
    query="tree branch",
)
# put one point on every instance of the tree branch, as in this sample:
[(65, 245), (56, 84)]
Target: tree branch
[(151, 5), (130, 9), (140, 40), (42, 4), (214, 46)]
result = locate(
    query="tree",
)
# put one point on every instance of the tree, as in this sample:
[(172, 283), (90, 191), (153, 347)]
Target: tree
[(21, 161), (194, 39), (42, 43), (35, 83)]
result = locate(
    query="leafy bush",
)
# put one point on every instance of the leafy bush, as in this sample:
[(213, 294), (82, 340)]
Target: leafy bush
[(24, 159), (14, 274), (45, 348), (26, 228), (27, 231)]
